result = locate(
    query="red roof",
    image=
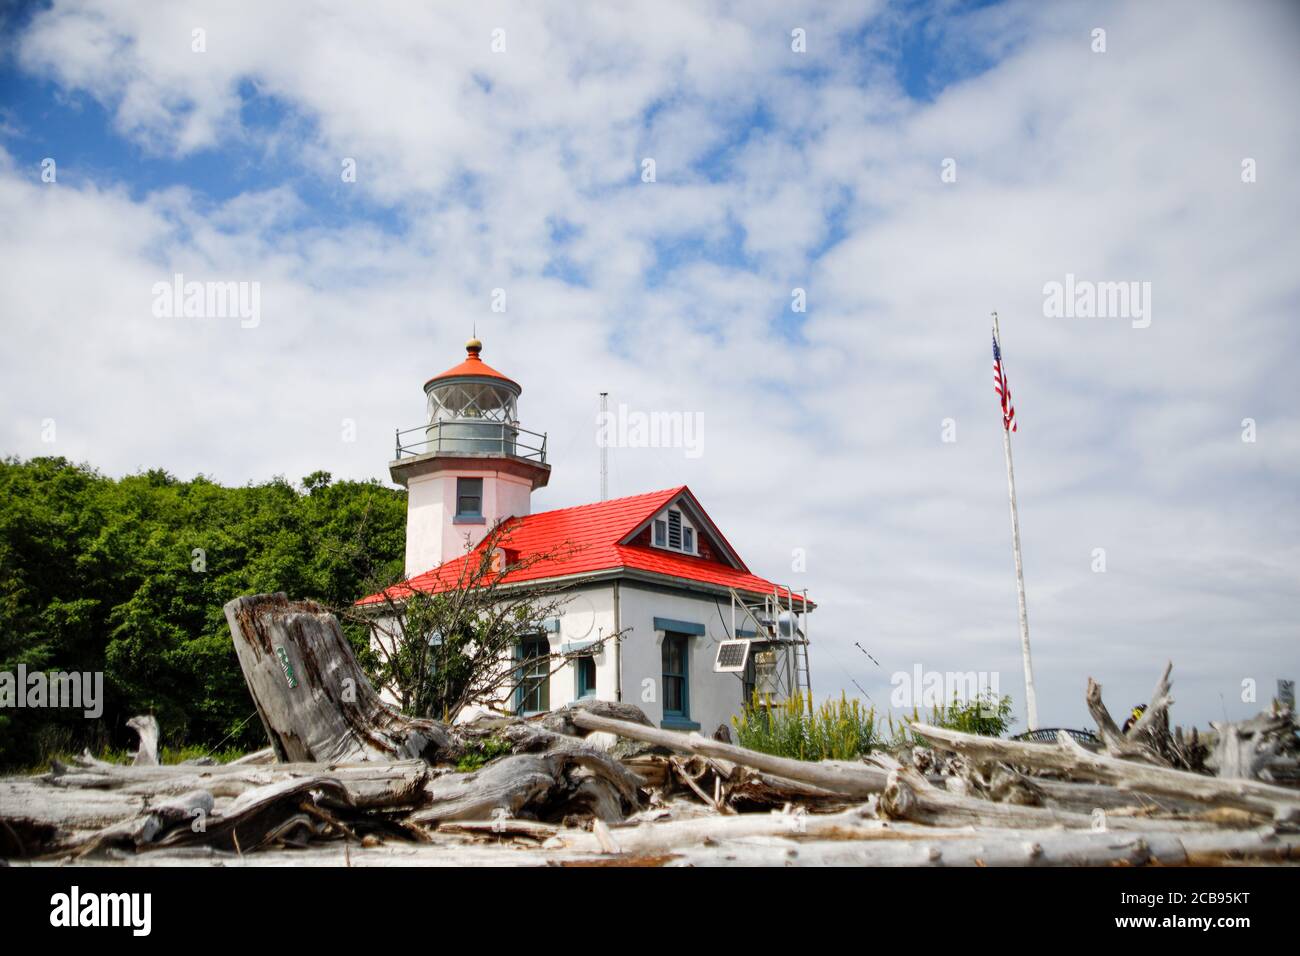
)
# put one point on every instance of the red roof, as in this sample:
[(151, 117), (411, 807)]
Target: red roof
[(473, 365), (589, 539)]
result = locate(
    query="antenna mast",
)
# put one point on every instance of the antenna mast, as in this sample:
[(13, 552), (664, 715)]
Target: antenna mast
[(604, 446)]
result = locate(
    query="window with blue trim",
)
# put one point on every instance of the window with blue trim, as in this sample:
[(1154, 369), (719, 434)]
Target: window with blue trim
[(533, 695), (586, 668), (676, 683), (469, 497)]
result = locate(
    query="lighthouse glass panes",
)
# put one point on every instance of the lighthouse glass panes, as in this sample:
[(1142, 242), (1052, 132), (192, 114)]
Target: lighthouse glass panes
[(457, 401), (472, 418)]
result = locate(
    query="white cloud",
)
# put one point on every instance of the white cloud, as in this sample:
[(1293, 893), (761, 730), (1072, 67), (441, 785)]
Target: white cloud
[(1123, 165)]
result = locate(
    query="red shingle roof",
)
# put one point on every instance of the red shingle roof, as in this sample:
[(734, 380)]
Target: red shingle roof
[(589, 538), (473, 365)]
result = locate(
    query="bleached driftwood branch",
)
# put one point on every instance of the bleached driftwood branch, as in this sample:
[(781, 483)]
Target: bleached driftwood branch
[(909, 796), (843, 777), (1068, 756), (1005, 848), (146, 728)]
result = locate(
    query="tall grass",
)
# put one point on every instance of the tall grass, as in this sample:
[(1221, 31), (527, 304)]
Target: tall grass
[(847, 729), (837, 730), (52, 751)]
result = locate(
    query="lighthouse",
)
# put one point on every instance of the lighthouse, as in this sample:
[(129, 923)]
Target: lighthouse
[(469, 465), (640, 582)]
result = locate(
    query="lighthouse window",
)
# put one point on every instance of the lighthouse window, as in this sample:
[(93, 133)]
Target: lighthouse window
[(688, 540), (469, 497), (661, 533)]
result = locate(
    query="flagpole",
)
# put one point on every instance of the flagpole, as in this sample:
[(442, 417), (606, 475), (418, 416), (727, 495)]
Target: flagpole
[(1031, 701)]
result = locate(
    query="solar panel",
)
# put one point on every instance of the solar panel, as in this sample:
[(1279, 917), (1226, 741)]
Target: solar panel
[(731, 658)]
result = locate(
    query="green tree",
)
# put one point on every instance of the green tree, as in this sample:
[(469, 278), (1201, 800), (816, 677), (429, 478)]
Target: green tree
[(437, 653), (129, 576)]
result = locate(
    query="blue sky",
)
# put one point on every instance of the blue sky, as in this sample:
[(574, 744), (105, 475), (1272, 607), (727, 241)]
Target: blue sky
[(822, 171), (921, 49)]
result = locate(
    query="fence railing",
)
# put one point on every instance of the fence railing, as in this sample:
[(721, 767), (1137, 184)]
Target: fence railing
[(475, 437), (1047, 735)]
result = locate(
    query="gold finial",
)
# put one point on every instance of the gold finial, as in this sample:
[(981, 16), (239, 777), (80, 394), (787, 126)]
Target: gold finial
[(473, 346)]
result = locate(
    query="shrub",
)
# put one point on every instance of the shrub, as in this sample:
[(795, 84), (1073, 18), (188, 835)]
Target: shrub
[(837, 730), (986, 715), (479, 753)]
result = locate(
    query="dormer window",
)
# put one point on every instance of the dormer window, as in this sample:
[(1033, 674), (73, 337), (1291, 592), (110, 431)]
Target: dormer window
[(674, 533)]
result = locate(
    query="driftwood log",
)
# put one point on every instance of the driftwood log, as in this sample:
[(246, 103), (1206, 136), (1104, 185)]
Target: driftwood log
[(314, 700), (909, 796), (846, 778), (89, 808), (1263, 748), (146, 728), (1071, 758), (1006, 848), (349, 780)]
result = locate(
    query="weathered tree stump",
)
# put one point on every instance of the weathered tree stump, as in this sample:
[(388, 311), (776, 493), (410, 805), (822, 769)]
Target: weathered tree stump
[(314, 700)]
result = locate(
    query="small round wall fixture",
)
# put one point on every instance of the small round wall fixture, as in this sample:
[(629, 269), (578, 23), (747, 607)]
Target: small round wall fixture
[(579, 617)]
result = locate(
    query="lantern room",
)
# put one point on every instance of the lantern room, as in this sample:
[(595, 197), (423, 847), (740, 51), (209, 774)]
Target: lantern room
[(472, 407)]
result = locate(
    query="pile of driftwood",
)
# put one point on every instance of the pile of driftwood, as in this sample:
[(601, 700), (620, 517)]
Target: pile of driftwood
[(349, 780)]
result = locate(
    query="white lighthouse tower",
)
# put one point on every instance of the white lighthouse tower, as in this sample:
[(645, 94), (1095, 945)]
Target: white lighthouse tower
[(469, 466)]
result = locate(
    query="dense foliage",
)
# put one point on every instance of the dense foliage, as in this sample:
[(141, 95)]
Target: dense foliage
[(987, 715), (128, 576)]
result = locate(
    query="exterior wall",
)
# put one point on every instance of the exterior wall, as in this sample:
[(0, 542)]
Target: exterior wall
[(432, 534), (588, 615), (712, 698)]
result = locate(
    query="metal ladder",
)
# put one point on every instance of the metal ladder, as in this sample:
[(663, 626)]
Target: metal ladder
[(802, 673)]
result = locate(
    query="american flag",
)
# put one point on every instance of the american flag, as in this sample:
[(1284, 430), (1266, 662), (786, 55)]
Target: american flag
[(1002, 388)]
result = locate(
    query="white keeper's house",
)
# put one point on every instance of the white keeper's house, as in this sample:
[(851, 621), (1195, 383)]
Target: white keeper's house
[(701, 632)]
